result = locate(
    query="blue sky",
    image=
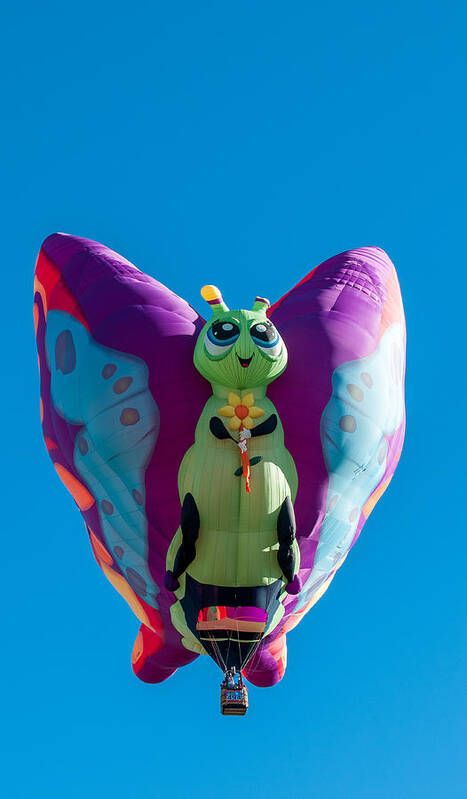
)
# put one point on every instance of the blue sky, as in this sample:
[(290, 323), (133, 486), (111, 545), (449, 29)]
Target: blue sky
[(240, 144)]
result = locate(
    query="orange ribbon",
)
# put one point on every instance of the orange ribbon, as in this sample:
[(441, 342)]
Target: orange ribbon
[(245, 460)]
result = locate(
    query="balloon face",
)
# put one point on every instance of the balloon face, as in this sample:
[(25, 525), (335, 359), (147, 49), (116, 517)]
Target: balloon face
[(219, 501), (240, 348)]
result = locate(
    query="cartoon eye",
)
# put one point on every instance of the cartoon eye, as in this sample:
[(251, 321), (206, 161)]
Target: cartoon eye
[(266, 337), (220, 337)]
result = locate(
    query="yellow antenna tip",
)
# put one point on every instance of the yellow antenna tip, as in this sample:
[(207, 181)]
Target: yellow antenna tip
[(213, 296), (211, 293)]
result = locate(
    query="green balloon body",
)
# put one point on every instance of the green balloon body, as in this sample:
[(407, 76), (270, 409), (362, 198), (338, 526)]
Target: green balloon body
[(239, 352)]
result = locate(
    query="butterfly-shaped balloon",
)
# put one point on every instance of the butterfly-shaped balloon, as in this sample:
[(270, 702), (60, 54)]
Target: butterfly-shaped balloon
[(223, 469)]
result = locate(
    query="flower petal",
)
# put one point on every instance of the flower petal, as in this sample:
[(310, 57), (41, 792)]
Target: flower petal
[(248, 400), (234, 399), (227, 410), (255, 412), (235, 423), (248, 423)]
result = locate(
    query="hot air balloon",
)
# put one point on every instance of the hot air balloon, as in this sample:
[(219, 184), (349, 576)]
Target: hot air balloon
[(223, 469)]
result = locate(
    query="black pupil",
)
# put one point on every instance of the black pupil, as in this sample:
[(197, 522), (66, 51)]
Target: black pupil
[(263, 332), (225, 330)]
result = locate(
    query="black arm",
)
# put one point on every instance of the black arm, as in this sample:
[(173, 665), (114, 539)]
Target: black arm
[(266, 427), (218, 430)]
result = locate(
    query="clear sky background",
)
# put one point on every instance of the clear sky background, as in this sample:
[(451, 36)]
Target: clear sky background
[(241, 144)]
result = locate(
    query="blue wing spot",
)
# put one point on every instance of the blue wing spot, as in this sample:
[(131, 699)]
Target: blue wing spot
[(129, 416), (382, 452), (348, 424), (136, 582), (82, 445), (367, 379), (118, 552), (107, 507), (122, 384), (108, 370), (137, 496), (355, 392), (65, 353)]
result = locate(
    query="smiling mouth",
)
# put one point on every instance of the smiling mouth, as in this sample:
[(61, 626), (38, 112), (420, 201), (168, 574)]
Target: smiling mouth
[(244, 361)]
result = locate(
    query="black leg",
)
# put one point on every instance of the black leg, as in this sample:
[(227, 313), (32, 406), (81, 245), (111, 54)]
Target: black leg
[(286, 535), (190, 530)]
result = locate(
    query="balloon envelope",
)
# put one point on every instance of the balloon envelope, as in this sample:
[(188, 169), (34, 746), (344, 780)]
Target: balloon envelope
[(121, 401)]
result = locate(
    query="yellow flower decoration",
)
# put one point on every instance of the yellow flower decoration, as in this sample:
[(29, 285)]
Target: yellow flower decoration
[(241, 411)]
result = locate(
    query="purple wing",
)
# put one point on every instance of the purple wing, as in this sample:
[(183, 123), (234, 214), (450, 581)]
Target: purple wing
[(120, 399), (341, 403)]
